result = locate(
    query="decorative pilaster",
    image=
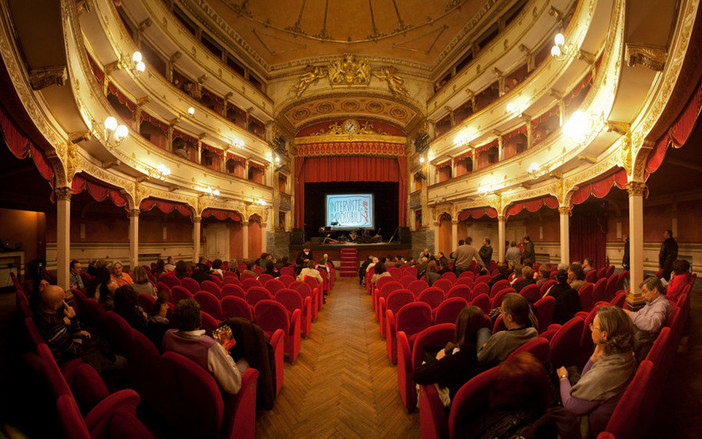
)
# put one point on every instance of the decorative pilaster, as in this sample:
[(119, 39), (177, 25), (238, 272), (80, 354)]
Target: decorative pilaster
[(454, 233), (564, 214), (437, 225), (134, 237), (636, 191), (197, 222), (63, 235), (245, 238), (501, 221)]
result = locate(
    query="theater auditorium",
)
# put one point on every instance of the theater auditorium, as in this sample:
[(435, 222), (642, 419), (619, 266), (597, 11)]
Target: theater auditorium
[(359, 219)]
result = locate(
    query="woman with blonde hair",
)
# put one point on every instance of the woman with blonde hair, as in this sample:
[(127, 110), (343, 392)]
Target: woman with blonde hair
[(141, 281)]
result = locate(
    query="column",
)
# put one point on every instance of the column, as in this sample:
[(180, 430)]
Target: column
[(564, 212), (454, 234), (636, 191), (197, 220), (501, 220), (63, 235), (436, 236), (245, 240), (133, 238)]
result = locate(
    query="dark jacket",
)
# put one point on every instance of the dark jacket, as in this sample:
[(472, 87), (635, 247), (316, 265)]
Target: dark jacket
[(668, 254), (485, 253), (567, 303)]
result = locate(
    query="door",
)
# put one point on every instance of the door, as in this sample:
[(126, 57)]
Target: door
[(217, 242)]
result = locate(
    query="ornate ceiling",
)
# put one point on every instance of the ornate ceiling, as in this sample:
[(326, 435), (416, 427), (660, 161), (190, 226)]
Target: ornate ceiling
[(290, 33)]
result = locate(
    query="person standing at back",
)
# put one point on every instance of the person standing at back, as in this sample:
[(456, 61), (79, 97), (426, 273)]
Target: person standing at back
[(528, 256), (486, 252), (464, 255), (668, 254)]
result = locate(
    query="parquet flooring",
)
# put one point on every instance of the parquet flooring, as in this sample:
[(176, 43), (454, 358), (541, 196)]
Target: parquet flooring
[(342, 384)]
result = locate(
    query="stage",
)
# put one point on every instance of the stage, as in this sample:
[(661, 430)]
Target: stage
[(362, 250)]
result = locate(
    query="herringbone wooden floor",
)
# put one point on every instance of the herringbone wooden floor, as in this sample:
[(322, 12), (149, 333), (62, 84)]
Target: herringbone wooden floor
[(342, 384)]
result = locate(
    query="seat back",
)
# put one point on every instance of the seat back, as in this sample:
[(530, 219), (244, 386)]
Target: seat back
[(544, 312), (271, 315), (448, 310), (435, 336), (462, 291), (264, 277), (538, 347), (161, 286), (216, 278), (233, 306), (250, 282), (233, 290), (290, 299), (256, 294), (496, 300), (417, 286), (471, 400), (385, 280), (397, 299), (209, 303), (312, 282), (626, 420), (586, 297), (212, 288), (469, 274), (619, 299), (464, 280), (481, 288), (209, 323), (191, 285), (483, 279), (230, 279), (395, 272), (482, 301), (389, 287), (449, 275), (407, 279), (274, 285), (499, 286), (609, 271), (179, 293), (120, 334), (432, 296), (444, 284), (612, 287), (601, 272), (409, 271), (546, 285), (531, 293), (171, 280), (413, 318), (599, 291), (286, 279), (591, 276), (565, 344), (287, 271), (301, 288)]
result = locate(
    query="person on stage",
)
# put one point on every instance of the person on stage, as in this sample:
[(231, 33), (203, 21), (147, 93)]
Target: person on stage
[(304, 257)]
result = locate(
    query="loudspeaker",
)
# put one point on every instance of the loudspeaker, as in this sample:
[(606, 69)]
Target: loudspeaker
[(405, 235), (297, 237)]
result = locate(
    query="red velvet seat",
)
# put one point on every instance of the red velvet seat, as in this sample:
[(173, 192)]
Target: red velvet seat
[(191, 285), (216, 278), (161, 286), (233, 306), (383, 291), (610, 271), (383, 280), (233, 290), (271, 315), (483, 279), (249, 282), (256, 294), (627, 420), (316, 289), (499, 286), (599, 291), (287, 271), (408, 358), (496, 300), (274, 285), (432, 296), (450, 276), (408, 270), (209, 304), (464, 280), (444, 284), (544, 312), (601, 272), (619, 299), (207, 414), (591, 276), (462, 291), (530, 293), (395, 272), (448, 310), (258, 270), (611, 289), (179, 293), (306, 291), (171, 280), (565, 344), (417, 287), (538, 347), (230, 279), (433, 423), (326, 283), (393, 302), (482, 301), (264, 277), (412, 319), (546, 285), (471, 401), (586, 297), (480, 288), (407, 279), (212, 288), (286, 279), (292, 300), (209, 323)]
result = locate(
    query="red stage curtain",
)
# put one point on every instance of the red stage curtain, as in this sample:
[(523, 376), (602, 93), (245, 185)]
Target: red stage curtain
[(588, 237), (299, 192), (477, 213)]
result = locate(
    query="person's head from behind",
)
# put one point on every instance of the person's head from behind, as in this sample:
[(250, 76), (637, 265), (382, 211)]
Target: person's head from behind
[(575, 272), (651, 288), (515, 311), (469, 320), (461, 242), (469, 240), (379, 268), (107, 290), (170, 260), (612, 329), (431, 266), (51, 299), (139, 275), (160, 265), (681, 266), (503, 269), (310, 264), (668, 234), (544, 271), (186, 315), (562, 277), (125, 299), (181, 269), (513, 244), (527, 272), (217, 264), (521, 384)]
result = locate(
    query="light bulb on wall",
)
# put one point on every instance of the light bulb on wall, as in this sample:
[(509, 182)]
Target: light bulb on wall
[(138, 65), (576, 127), (559, 39), (421, 160), (191, 111), (114, 133)]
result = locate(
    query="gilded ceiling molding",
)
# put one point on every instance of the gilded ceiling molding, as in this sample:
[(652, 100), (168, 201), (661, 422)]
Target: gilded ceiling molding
[(653, 57)]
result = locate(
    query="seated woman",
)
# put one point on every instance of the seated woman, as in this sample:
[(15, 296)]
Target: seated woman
[(126, 305), (432, 273), (681, 277), (102, 276), (567, 299), (606, 375), (141, 282), (543, 275), (527, 278), (107, 294), (380, 271), (457, 362), (181, 269), (160, 310), (576, 276)]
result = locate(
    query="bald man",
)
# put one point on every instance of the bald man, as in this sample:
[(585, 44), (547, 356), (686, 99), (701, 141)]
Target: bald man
[(58, 324)]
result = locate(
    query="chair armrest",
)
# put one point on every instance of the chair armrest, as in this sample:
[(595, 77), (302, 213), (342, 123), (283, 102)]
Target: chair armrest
[(240, 409), (126, 399), (404, 354), (295, 320)]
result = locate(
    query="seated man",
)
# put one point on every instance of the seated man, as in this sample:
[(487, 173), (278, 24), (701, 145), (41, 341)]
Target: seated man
[(58, 324), (649, 320), (75, 280), (170, 264), (587, 265), (310, 271), (190, 341), (118, 276), (519, 321)]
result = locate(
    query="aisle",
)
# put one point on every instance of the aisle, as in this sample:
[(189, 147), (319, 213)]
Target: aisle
[(342, 384)]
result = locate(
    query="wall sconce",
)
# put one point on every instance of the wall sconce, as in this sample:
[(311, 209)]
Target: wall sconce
[(485, 190), (191, 111), (114, 133), (534, 170), (276, 159), (163, 171), (212, 192), (559, 47), (577, 127), (260, 202), (138, 65), (422, 159), (238, 143)]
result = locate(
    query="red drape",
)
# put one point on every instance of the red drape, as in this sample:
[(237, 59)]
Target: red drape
[(600, 188), (221, 214), (678, 132), (165, 206), (533, 205), (588, 237), (477, 213), (98, 191), (21, 147)]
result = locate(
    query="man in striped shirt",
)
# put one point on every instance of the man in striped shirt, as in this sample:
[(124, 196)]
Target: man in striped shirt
[(58, 324)]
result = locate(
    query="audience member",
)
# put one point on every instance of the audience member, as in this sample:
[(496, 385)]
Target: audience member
[(217, 267), (304, 257), (190, 341), (668, 254), (58, 325), (513, 254), (323, 264), (249, 269), (102, 277), (519, 402), (502, 274), (107, 294), (75, 279), (380, 271), (543, 275), (310, 271), (455, 364), (520, 323), (607, 373), (576, 277), (181, 269), (587, 265), (363, 269), (422, 267), (425, 254), (486, 252), (680, 278), (160, 310), (170, 264), (141, 282), (440, 259), (527, 278), (119, 276), (91, 267), (464, 255), (444, 266), (649, 320), (528, 255), (432, 273), (567, 299), (127, 306), (201, 273), (160, 267), (625, 258)]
